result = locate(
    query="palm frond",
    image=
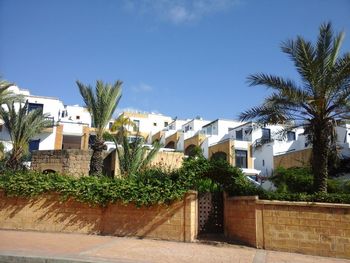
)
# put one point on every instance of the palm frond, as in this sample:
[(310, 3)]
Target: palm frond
[(101, 102)]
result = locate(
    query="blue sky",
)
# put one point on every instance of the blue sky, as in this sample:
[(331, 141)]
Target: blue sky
[(179, 58)]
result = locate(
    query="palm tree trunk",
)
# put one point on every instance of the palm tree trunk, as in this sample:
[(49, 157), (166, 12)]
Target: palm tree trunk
[(96, 163), (320, 152), (14, 161)]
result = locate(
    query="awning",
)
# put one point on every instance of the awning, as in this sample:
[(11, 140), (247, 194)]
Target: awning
[(247, 171)]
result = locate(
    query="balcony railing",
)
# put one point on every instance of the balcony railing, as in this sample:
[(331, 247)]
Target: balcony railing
[(51, 120), (261, 141)]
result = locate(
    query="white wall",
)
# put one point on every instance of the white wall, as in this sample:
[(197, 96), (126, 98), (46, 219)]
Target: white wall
[(151, 123), (75, 114), (220, 127), (264, 159)]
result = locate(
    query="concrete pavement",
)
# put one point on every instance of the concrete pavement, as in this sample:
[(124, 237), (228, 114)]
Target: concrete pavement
[(19, 246)]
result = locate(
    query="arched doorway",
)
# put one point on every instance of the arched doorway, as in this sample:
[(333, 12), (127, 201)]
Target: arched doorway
[(170, 145), (190, 150)]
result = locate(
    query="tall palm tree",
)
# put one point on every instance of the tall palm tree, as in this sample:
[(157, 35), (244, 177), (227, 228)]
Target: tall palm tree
[(120, 126), (101, 103), (318, 102), (22, 126)]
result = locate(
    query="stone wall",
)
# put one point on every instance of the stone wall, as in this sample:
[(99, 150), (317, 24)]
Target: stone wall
[(240, 220), (177, 221), (293, 159), (70, 161), (310, 228), (169, 160)]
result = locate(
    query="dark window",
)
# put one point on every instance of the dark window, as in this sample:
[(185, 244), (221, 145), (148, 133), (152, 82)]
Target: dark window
[(34, 145), (290, 136), (110, 125), (137, 125), (263, 162), (35, 106), (77, 117), (154, 124), (166, 124), (239, 135), (266, 134), (241, 158)]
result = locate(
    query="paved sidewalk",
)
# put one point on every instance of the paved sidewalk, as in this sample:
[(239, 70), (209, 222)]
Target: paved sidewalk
[(18, 246)]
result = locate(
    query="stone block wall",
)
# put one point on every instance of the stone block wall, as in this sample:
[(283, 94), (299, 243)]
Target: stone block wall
[(70, 161), (170, 160), (177, 222), (309, 228), (240, 220), (293, 159)]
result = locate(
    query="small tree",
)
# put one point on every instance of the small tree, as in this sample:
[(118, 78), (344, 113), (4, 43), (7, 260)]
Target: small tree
[(120, 127), (22, 126), (134, 156), (101, 103)]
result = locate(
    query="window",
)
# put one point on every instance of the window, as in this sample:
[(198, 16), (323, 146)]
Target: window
[(290, 136), (137, 125), (187, 128), (241, 158), (166, 124), (77, 117), (110, 125), (263, 162), (34, 145), (209, 131), (64, 114), (154, 124), (239, 135), (266, 134), (35, 106)]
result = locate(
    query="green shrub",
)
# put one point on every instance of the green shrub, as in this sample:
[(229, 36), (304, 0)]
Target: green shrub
[(300, 180), (150, 187), (303, 197)]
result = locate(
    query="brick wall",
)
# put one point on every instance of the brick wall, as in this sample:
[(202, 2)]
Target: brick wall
[(240, 219), (175, 222), (308, 228)]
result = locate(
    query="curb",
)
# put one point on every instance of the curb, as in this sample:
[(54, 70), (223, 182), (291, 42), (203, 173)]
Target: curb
[(39, 259)]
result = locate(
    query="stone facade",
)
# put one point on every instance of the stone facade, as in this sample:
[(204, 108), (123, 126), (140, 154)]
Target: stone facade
[(309, 228), (177, 222), (71, 161)]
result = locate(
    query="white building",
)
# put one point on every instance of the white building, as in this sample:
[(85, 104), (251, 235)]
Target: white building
[(70, 124)]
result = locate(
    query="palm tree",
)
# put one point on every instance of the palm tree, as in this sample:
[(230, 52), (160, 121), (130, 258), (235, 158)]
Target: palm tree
[(134, 156), (120, 126), (22, 126), (318, 102), (6, 96), (101, 104)]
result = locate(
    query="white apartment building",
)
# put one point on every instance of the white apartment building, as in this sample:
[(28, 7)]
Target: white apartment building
[(266, 143), (146, 124), (70, 124)]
